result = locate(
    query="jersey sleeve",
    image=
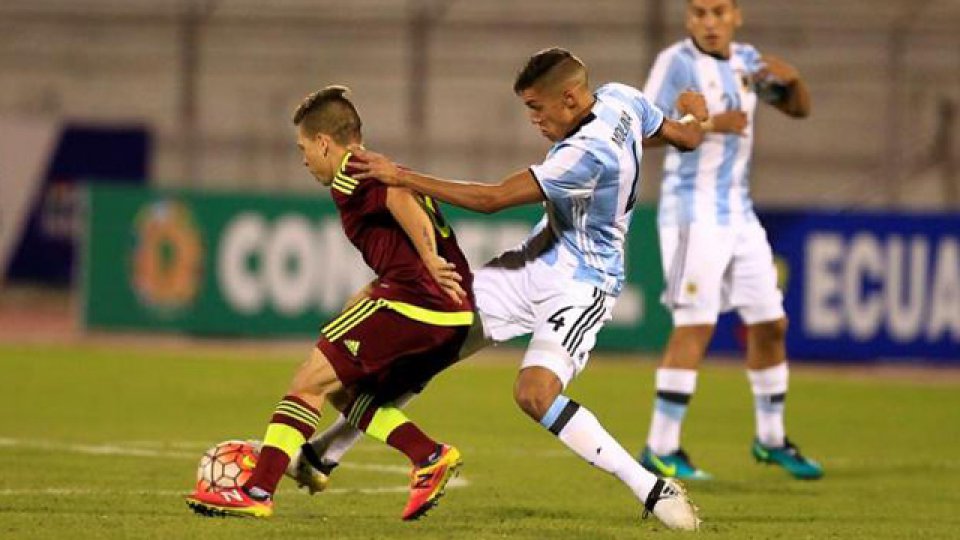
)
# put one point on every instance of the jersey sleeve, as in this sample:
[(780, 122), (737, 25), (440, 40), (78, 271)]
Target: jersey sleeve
[(651, 116), (671, 74), (569, 172)]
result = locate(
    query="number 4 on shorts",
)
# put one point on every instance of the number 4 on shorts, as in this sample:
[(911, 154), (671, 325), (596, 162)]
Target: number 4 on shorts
[(557, 320)]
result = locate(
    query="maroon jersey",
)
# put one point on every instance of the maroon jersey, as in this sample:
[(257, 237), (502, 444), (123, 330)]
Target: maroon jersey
[(402, 277)]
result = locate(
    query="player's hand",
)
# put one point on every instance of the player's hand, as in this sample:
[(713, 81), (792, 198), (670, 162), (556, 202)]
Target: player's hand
[(690, 102), (778, 70), (445, 274), (730, 122), (376, 166)]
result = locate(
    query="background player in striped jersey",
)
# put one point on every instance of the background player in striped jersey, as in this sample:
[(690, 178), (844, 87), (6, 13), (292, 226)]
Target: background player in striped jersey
[(561, 283), (407, 325), (715, 252)]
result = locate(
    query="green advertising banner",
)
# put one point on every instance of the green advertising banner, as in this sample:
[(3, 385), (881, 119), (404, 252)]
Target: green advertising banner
[(230, 264)]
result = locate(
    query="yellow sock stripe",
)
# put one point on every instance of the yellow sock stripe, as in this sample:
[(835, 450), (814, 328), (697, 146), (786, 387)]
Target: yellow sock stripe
[(284, 437), (350, 311), (302, 409), (299, 414), (384, 421), (354, 321), (358, 409), (429, 316)]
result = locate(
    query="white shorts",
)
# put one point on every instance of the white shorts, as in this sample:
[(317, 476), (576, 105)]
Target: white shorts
[(563, 315), (711, 269)]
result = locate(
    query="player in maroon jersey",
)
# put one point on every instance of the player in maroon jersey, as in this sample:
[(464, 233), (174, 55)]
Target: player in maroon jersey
[(400, 330)]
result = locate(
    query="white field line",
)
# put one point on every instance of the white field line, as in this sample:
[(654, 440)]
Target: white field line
[(121, 449)]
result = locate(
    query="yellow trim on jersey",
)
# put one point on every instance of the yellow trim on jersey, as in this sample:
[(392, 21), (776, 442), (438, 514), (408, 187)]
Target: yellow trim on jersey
[(363, 309), (284, 437), (348, 180), (429, 316), (343, 162), (341, 182), (341, 189)]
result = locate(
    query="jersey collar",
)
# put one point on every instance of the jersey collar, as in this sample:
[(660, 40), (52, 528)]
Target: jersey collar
[(716, 56), (343, 163), (590, 117)]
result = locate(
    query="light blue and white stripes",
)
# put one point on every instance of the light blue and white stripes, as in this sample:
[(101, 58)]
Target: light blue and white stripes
[(710, 184), (591, 181)]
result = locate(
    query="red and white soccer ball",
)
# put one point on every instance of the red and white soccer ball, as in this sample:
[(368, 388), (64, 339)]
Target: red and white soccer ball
[(227, 465)]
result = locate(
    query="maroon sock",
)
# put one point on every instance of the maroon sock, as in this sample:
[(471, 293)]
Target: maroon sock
[(292, 412), (408, 439)]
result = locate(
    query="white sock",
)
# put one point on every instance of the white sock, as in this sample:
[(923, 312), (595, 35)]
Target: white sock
[(334, 442), (580, 430), (340, 436), (674, 388), (769, 393)]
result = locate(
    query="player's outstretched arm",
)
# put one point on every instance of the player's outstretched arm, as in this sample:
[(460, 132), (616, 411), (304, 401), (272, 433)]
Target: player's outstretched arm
[(685, 134), (411, 216), (515, 190), (794, 100)]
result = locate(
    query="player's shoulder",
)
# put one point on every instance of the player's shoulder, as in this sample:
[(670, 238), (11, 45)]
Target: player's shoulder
[(682, 51), (619, 90), (345, 182)]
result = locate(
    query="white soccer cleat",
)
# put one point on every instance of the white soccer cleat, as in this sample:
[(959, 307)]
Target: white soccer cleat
[(669, 502)]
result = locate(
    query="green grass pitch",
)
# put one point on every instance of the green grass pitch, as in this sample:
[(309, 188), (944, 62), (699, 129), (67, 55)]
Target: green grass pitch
[(101, 441)]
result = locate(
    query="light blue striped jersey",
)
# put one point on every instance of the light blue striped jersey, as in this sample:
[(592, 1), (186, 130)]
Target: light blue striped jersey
[(591, 180), (710, 184)]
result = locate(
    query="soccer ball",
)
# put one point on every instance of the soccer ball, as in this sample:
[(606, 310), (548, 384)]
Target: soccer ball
[(226, 465)]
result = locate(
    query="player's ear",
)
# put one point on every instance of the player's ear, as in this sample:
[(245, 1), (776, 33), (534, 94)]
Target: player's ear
[(737, 16), (323, 141), (569, 97)]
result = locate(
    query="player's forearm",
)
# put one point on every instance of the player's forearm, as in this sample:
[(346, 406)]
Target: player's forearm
[(796, 103), (682, 134), (472, 196)]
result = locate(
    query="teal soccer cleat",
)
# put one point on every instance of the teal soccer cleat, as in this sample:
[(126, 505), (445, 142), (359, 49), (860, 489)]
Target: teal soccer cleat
[(787, 456), (675, 465)]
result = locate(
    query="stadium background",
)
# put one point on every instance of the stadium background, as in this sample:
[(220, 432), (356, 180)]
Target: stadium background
[(177, 112)]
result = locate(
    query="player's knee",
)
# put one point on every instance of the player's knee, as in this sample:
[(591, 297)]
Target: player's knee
[(534, 400), (774, 331), (315, 378)]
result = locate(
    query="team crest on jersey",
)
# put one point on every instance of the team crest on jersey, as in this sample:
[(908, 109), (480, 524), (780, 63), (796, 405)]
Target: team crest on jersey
[(166, 267), (691, 288), (744, 78)]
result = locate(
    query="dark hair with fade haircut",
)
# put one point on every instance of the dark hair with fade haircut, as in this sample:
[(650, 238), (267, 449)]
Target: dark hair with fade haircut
[(329, 111), (542, 64)]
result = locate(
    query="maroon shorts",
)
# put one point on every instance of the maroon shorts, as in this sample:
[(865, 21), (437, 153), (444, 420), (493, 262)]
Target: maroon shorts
[(388, 353)]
